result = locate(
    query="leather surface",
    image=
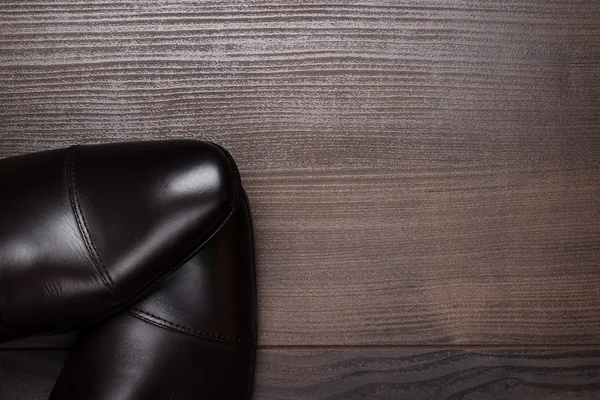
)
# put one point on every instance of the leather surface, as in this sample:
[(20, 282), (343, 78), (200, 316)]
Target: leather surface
[(86, 229), (192, 337)]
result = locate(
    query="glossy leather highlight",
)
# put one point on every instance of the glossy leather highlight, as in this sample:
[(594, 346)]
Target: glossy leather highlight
[(192, 337), (85, 230)]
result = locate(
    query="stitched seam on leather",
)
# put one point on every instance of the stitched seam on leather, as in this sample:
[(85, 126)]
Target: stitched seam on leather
[(188, 331), (85, 232)]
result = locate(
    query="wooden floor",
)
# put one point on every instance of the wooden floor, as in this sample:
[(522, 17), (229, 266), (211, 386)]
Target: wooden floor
[(424, 174)]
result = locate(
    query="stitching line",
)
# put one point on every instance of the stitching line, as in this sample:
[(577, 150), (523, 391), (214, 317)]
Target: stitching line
[(189, 331), (85, 232)]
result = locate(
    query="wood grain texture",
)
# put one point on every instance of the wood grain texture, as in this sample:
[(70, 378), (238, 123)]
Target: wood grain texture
[(421, 172), (392, 374), (427, 374)]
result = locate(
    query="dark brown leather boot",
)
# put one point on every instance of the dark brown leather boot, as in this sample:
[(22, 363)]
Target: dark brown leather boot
[(193, 337), (85, 230)]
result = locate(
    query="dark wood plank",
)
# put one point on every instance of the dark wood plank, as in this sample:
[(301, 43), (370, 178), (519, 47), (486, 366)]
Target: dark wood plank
[(502, 257), (423, 172), (428, 374), (371, 374)]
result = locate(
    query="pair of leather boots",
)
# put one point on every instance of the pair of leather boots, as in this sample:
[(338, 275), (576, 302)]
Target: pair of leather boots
[(145, 247)]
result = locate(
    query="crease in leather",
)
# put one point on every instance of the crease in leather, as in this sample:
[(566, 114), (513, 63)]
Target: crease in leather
[(163, 323), (83, 228), (120, 306)]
